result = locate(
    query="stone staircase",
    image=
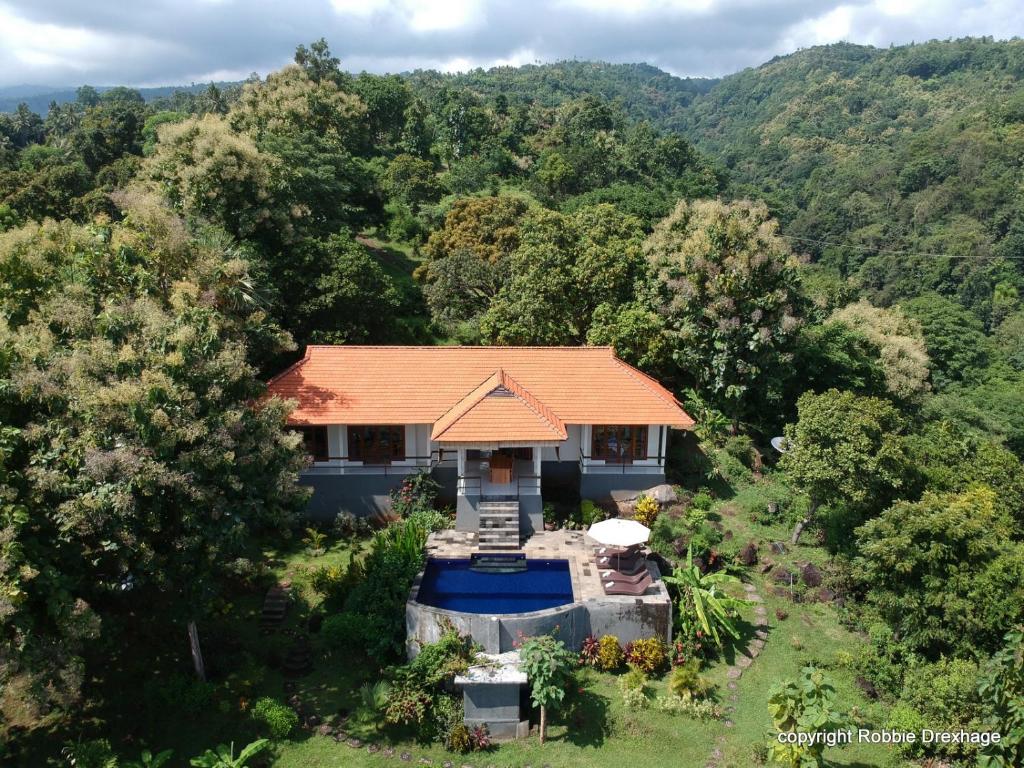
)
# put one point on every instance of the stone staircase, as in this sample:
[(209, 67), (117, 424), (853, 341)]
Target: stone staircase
[(499, 525), (274, 606)]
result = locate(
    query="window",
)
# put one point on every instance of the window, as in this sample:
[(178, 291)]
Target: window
[(376, 444), (314, 439), (619, 444)]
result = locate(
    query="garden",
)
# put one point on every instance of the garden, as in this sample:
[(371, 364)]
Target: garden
[(760, 646)]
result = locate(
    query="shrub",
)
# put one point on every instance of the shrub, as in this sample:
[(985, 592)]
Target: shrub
[(459, 739), (277, 718), (590, 513), (96, 753), (590, 651), (741, 448), (686, 681), (480, 738), (430, 519), (702, 500), (181, 693), (344, 632), (647, 655), (316, 541), (646, 510), (447, 714), (417, 493), (349, 526), (633, 687), (609, 653), (698, 710), (328, 581), (696, 517)]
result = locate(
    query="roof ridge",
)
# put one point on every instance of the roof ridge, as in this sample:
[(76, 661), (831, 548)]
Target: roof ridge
[(535, 404)]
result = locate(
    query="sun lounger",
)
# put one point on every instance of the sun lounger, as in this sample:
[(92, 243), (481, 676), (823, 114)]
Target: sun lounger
[(622, 588), (625, 578), (616, 551), (624, 565)]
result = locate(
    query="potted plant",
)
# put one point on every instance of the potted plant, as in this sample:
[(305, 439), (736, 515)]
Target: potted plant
[(549, 517)]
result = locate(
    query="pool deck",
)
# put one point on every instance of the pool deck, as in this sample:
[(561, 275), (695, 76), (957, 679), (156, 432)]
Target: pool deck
[(574, 546)]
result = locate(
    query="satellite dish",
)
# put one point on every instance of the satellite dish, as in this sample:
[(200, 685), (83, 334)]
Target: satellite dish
[(780, 444)]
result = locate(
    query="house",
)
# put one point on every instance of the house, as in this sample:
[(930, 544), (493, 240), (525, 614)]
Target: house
[(490, 423)]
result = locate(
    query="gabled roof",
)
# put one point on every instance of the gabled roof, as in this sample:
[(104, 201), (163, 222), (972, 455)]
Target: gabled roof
[(499, 406), (423, 385)]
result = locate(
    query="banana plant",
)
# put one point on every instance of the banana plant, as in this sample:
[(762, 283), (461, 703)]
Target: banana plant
[(224, 756), (715, 610)]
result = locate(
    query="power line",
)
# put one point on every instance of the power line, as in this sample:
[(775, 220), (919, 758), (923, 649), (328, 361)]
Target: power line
[(875, 249)]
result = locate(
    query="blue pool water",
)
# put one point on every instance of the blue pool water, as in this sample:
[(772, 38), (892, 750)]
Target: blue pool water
[(450, 584)]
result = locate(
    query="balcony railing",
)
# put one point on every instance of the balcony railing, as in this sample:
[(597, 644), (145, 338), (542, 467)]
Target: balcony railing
[(623, 467)]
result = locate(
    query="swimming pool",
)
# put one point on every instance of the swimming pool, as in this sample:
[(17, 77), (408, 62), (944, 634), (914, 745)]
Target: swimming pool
[(453, 586)]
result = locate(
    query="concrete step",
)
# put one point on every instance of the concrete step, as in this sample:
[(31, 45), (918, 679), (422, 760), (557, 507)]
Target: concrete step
[(498, 547)]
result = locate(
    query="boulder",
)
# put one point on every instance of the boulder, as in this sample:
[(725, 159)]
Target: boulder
[(811, 575), (748, 555), (625, 497), (778, 548), (826, 595), (782, 575), (663, 494), (767, 566)]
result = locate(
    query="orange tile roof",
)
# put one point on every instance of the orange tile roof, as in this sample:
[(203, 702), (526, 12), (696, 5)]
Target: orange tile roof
[(421, 385), (499, 406)]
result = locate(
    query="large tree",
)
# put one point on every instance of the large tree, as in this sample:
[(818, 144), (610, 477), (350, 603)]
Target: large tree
[(564, 269), (730, 297), (899, 342), (944, 572), (844, 449), (137, 461)]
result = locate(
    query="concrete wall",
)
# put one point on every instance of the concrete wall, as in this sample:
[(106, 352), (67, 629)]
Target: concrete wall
[(599, 487), (362, 495), (625, 617)]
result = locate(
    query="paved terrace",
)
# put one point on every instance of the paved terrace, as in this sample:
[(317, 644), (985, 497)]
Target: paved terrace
[(574, 546)]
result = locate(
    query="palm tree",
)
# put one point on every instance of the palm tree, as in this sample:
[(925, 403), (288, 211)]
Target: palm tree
[(716, 611)]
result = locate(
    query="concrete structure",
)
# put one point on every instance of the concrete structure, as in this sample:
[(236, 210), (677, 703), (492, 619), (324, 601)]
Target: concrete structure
[(490, 423), (591, 613), (491, 692)]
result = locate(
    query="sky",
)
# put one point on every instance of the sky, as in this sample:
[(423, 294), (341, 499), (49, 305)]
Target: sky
[(162, 42)]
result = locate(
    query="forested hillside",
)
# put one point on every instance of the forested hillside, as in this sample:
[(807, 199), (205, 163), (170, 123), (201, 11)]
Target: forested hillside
[(830, 245)]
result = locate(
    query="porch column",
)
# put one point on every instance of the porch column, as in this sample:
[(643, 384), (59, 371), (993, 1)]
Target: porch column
[(536, 464), (461, 471)]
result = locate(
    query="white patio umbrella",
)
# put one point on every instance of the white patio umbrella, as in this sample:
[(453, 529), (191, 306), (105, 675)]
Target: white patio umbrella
[(617, 532)]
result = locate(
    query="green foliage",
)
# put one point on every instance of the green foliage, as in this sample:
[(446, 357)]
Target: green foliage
[(954, 336), (698, 600), (845, 449), (548, 665), (648, 655), (314, 541), (1001, 690), (806, 705), (344, 632), (379, 596), (564, 268), (729, 293), (178, 692), (223, 756), (943, 571), (96, 753), (277, 718), (634, 689), (417, 494), (686, 681), (149, 760)]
